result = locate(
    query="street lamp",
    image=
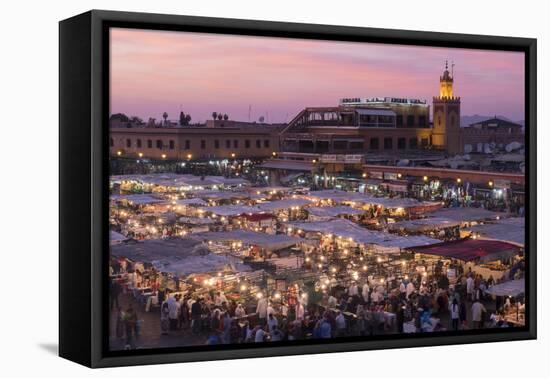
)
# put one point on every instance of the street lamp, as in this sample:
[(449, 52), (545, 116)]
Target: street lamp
[(189, 156), (425, 178)]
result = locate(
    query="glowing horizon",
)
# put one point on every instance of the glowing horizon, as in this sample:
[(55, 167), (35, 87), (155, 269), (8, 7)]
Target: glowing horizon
[(163, 71)]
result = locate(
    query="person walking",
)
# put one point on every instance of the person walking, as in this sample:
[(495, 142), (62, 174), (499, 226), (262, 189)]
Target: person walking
[(454, 309), (478, 311)]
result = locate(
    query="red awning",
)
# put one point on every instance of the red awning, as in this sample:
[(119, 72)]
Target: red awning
[(470, 249), (257, 217)]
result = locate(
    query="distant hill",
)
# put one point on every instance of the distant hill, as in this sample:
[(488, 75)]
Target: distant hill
[(468, 120)]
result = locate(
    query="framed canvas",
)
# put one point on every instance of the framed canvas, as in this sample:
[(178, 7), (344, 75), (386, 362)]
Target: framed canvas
[(234, 188)]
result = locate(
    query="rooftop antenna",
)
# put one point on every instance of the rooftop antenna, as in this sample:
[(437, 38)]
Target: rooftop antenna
[(453, 69), (249, 111)]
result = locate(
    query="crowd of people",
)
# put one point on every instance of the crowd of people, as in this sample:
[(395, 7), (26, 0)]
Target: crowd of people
[(420, 303)]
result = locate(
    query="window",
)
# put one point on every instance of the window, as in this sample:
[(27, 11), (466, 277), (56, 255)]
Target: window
[(374, 143), (171, 144), (399, 121), (149, 143), (159, 144), (424, 142), (227, 143), (128, 143), (410, 121), (266, 143), (356, 145), (388, 143), (111, 142), (401, 143), (187, 144), (235, 143), (422, 121), (216, 144), (203, 144), (258, 143), (246, 143), (340, 145), (413, 143), (139, 143)]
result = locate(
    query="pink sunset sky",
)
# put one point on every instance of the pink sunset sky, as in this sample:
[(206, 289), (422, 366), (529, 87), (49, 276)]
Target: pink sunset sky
[(157, 71)]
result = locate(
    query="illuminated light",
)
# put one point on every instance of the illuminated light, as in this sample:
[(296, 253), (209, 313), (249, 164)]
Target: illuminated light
[(304, 295), (232, 154), (399, 175), (289, 229), (243, 287), (364, 175), (163, 156), (406, 276), (307, 259), (319, 266), (327, 281), (425, 274), (140, 154), (274, 153), (259, 295), (425, 178), (119, 153), (323, 286), (314, 161), (381, 280), (379, 260), (189, 156), (459, 180), (277, 295), (364, 267), (333, 270), (321, 258), (403, 263), (490, 183)]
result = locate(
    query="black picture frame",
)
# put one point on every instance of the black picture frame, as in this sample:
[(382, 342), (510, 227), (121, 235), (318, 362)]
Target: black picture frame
[(83, 181)]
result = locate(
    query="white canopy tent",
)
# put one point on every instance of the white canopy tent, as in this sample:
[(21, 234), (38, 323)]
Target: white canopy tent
[(267, 241), (511, 230), (511, 288), (283, 204), (349, 230)]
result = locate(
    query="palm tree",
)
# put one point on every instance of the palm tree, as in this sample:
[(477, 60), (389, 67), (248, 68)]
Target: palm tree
[(214, 115), (187, 119), (182, 118), (225, 117), (220, 116)]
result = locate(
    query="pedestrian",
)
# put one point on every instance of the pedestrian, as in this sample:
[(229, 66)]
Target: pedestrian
[(478, 310), (454, 309)]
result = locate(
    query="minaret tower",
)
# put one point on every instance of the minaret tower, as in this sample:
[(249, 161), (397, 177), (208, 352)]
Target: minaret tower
[(446, 115)]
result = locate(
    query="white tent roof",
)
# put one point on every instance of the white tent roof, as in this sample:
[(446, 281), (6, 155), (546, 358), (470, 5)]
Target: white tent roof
[(511, 288), (283, 204), (191, 201), (232, 210), (333, 211), (510, 230), (467, 214), (260, 239), (425, 224), (347, 229), (177, 180), (138, 199)]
